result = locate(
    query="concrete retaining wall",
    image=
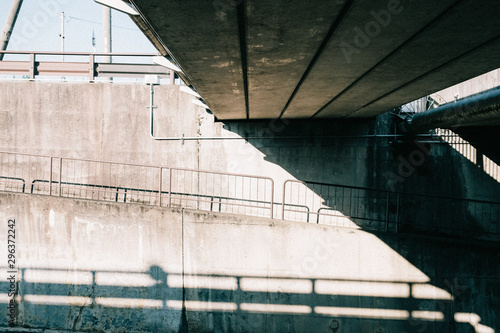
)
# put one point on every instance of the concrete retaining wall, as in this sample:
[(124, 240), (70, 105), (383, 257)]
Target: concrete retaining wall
[(111, 122), (92, 266)]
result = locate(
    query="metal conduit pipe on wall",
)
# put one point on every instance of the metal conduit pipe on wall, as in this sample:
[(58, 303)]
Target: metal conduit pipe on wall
[(477, 110), (183, 138)]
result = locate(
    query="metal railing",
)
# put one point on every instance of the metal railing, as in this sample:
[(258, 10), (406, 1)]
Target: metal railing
[(137, 183), (81, 64), (382, 210), (340, 205)]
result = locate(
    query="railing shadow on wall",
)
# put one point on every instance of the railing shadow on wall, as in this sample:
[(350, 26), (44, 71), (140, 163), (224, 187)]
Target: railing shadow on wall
[(479, 145), (155, 300)]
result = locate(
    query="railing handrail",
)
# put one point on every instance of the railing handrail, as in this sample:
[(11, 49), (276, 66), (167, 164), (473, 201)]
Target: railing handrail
[(222, 173), (155, 166), (81, 53)]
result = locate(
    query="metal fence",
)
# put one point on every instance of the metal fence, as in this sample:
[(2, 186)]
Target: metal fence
[(345, 206), (313, 202), (136, 183), (381, 210), (91, 66)]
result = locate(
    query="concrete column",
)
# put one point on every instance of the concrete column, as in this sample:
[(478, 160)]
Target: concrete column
[(9, 25)]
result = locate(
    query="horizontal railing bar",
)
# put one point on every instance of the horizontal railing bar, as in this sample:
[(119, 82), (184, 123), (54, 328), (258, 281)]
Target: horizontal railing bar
[(222, 203), (335, 215), (119, 68), (224, 173), (127, 191)]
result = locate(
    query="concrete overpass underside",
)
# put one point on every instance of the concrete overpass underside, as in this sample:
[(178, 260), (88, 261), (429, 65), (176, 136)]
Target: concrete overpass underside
[(258, 59)]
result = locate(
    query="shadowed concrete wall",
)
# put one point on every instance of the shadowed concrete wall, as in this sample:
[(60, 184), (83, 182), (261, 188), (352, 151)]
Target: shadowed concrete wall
[(92, 266)]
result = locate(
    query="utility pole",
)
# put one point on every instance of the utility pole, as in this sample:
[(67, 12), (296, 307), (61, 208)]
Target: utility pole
[(106, 33), (9, 25)]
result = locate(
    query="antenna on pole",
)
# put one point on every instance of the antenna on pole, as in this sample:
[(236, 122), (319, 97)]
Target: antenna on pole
[(62, 35)]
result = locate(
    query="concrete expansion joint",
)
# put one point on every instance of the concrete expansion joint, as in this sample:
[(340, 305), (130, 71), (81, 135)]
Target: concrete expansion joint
[(33, 330)]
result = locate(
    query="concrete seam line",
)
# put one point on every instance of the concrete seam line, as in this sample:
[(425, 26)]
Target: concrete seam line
[(445, 12), (333, 28), (184, 323)]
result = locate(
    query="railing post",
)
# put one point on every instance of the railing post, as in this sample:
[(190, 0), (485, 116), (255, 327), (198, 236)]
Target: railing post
[(50, 177), (170, 187), (91, 68), (32, 69), (160, 186), (272, 198), (60, 175), (387, 213), (283, 201), (397, 212), (172, 77)]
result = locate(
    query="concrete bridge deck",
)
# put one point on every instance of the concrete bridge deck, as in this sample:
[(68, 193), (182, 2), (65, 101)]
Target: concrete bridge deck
[(259, 59)]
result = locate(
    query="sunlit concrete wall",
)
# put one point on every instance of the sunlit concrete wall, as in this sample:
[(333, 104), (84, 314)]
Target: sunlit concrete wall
[(91, 266), (97, 121), (473, 86)]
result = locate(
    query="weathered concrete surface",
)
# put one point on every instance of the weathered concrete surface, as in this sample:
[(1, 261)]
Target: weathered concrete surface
[(334, 59), (96, 121), (91, 266), (111, 122), (82, 262)]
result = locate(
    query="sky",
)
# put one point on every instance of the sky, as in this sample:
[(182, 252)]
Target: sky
[(38, 27)]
